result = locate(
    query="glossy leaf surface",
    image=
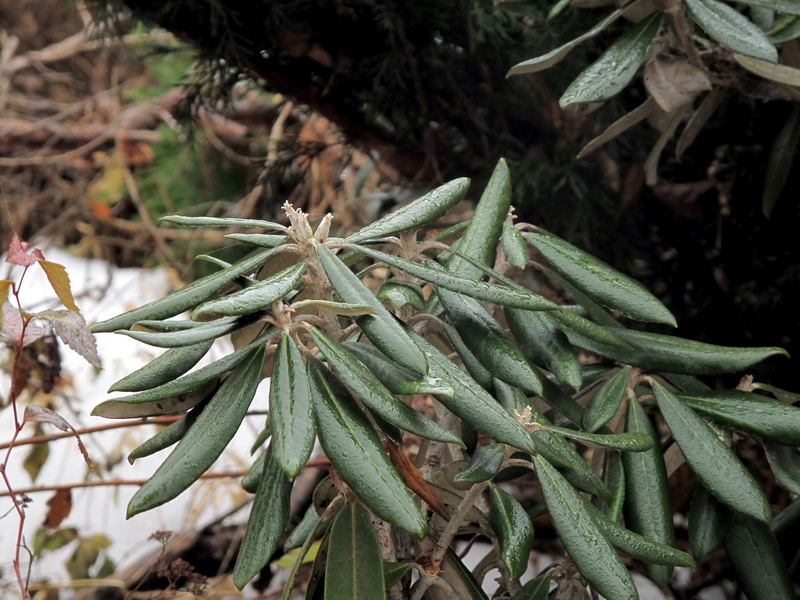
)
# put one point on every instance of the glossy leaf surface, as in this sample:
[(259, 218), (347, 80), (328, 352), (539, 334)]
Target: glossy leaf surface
[(731, 29), (708, 523), (163, 369), (514, 530), (606, 402), (484, 465)]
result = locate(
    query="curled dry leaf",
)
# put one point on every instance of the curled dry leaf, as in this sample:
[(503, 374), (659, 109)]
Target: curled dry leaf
[(58, 508), (674, 83), (39, 414)]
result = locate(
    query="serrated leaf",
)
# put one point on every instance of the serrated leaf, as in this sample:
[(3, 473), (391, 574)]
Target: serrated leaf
[(610, 287), (731, 29), (757, 560), (187, 297), (206, 439), (607, 400), (708, 523), (752, 413), (164, 368), (647, 505), (615, 69), (374, 394), (720, 470), (382, 328), (513, 528), (256, 297), (266, 525), (354, 570), (781, 155), (290, 408), (591, 552), (355, 450), (221, 222), (540, 63), (59, 281), (421, 211), (72, 329)]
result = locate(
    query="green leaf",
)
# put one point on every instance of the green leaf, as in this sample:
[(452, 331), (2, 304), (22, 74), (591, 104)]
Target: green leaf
[(166, 437), (757, 560), (396, 378), (499, 294), (484, 336), (290, 409), (588, 548), (472, 403), (255, 298), (355, 450), (554, 56), (485, 464), (514, 246), (480, 240), (193, 334), (720, 470), (221, 222), (343, 309), (460, 579), (610, 287), (647, 505), (253, 475), (421, 211), (535, 589), (545, 344), (165, 368), (306, 527), (266, 525), (781, 155), (514, 530), (658, 352), (752, 413), (354, 569), (785, 464), (35, 458), (708, 523), (393, 572), (614, 478), (615, 69), (625, 442), (475, 367), (731, 29), (787, 7), (789, 31), (382, 328), (170, 405), (187, 297), (360, 380), (262, 240), (206, 439), (402, 293), (607, 400)]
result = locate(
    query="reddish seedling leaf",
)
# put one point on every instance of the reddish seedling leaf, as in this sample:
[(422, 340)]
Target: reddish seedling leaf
[(71, 327), (18, 253), (59, 281), (40, 414), (58, 508)]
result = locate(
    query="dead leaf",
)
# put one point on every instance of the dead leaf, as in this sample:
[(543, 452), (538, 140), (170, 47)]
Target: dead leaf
[(412, 479), (71, 327), (39, 414), (674, 83), (59, 281), (17, 253), (14, 328), (58, 508)]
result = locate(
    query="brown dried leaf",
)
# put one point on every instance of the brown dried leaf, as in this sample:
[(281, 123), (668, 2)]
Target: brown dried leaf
[(674, 83), (40, 414), (413, 480), (17, 253), (58, 509)]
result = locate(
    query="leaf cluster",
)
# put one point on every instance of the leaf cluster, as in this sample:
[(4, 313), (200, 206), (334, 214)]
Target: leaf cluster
[(449, 349)]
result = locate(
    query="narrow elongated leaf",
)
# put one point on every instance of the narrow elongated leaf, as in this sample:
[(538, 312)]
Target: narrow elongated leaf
[(545, 344), (402, 293), (192, 335), (374, 394), (620, 126), (479, 242), (514, 246), (614, 478), (785, 464), (480, 373), (787, 7), (536, 589), (306, 527), (490, 344), (169, 435), (588, 548), (262, 240), (626, 442), (382, 328), (514, 530), (354, 570), (485, 464), (163, 369), (647, 505), (610, 287), (343, 309), (757, 560), (461, 580), (355, 450), (708, 523), (221, 222), (187, 297), (788, 32), (554, 56), (753, 413), (205, 440), (606, 402), (393, 572), (658, 352), (253, 475), (731, 29), (781, 155), (421, 211), (170, 405), (720, 470), (615, 69), (256, 297), (266, 525), (290, 409), (472, 403), (397, 379)]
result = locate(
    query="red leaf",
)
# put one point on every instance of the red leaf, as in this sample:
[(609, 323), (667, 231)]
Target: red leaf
[(12, 327), (59, 281), (17, 253), (74, 332), (58, 509)]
